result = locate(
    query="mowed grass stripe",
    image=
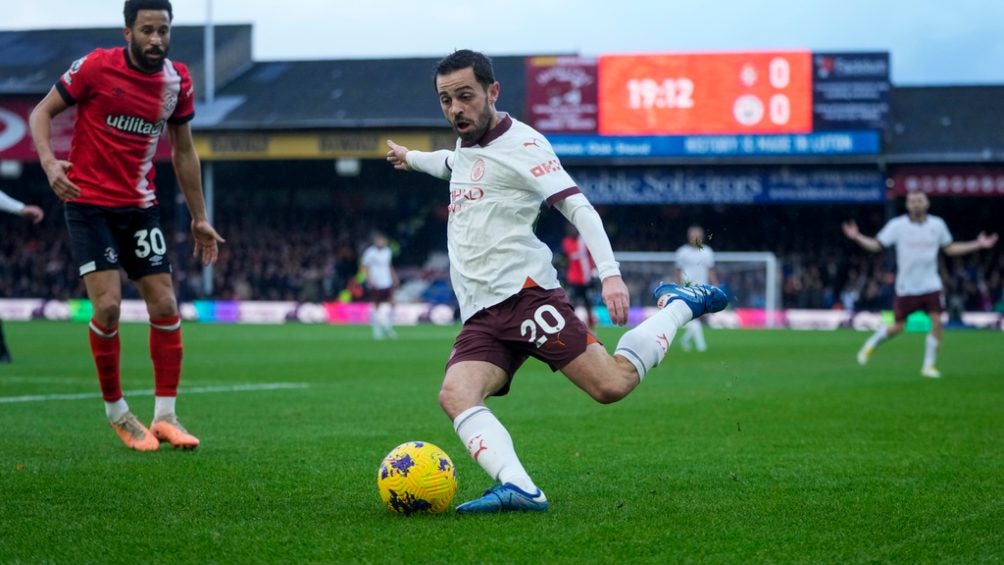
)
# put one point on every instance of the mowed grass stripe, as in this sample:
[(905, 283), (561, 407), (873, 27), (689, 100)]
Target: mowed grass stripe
[(774, 446)]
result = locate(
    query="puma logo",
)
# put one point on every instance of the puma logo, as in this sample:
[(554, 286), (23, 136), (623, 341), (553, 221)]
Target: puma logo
[(475, 453)]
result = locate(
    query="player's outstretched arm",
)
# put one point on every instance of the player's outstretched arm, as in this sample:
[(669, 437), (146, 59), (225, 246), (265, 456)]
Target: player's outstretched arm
[(397, 156), (40, 124), (187, 169), (577, 210), (982, 241), (435, 163), (852, 232)]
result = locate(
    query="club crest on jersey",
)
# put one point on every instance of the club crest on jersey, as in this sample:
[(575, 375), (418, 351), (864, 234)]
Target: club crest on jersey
[(132, 124), (478, 170), (170, 102), (111, 256)]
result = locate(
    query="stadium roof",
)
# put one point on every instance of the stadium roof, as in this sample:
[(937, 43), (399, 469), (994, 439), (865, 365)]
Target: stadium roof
[(946, 124), (927, 124), (345, 94), (32, 60)]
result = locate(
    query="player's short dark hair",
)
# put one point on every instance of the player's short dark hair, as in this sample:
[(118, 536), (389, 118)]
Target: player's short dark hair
[(464, 58), (132, 8)]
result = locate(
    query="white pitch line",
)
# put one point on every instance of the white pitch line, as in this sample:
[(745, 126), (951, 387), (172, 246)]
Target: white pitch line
[(149, 392)]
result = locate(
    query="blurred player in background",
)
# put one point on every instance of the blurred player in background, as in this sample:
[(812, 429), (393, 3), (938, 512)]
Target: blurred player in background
[(579, 272), (125, 97), (918, 237), (28, 212), (511, 302), (381, 280), (695, 265)]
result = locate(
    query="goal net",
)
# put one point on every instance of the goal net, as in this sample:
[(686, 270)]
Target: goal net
[(750, 278)]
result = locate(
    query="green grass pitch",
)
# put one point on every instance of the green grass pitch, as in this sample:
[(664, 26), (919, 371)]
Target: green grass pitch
[(774, 446)]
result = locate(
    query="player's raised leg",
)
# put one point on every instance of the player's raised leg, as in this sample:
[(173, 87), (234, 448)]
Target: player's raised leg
[(647, 344), (104, 290), (465, 387), (609, 378), (878, 338), (166, 354)]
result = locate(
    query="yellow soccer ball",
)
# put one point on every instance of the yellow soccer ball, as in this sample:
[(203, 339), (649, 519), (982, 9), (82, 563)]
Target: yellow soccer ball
[(417, 477)]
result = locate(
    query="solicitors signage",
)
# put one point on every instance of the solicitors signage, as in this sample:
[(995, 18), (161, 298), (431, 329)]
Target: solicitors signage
[(745, 185)]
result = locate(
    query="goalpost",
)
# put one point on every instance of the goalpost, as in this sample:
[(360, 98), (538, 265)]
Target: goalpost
[(749, 277)]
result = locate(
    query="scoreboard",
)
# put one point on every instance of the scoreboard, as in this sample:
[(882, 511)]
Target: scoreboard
[(707, 93)]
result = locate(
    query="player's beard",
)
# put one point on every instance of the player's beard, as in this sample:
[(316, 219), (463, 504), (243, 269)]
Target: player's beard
[(479, 126), (144, 62)]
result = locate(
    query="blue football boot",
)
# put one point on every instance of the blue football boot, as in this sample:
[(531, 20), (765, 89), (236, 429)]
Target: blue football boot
[(505, 498), (701, 298)]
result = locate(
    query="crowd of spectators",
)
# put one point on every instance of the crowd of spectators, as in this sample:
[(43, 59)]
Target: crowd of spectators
[(307, 250)]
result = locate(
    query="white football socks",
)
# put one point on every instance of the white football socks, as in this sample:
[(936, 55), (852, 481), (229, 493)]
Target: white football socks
[(877, 338), (386, 318), (931, 344), (694, 332), (115, 410), (490, 444), (163, 407), (647, 344)]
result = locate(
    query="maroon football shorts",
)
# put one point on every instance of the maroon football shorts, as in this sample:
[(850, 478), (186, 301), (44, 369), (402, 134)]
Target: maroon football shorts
[(533, 323), (381, 295), (932, 303)]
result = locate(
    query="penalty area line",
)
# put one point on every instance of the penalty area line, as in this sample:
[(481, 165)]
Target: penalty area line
[(149, 392)]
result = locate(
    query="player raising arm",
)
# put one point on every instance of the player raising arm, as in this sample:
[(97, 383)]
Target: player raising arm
[(917, 237), (124, 98), (511, 303)]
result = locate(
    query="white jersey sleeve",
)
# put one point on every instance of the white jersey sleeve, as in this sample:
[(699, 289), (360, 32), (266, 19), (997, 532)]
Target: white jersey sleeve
[(8, 204), (889, 234), (945, 236), (583, 216), (436, 163)]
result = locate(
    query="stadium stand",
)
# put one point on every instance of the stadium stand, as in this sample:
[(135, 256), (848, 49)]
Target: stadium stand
[(294, 224)]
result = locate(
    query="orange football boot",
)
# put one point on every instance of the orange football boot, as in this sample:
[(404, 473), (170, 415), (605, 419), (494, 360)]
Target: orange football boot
[(134, 434), (171, 431)]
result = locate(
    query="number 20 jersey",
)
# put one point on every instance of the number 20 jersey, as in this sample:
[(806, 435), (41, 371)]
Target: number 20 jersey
[(121, 113)]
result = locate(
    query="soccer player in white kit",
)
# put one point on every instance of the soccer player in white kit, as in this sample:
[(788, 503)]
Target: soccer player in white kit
[(511, 303), (29, 212), (695, 265), (918, 237), (381, 278)]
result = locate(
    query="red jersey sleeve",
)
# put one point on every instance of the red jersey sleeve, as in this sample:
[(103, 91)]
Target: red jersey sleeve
[(75, 84)]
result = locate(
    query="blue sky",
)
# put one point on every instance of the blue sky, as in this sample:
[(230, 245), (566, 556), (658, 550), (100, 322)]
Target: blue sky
[(932, 42)]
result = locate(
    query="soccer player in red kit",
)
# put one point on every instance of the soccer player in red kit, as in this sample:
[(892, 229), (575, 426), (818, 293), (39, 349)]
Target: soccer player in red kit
[(125, 97)]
